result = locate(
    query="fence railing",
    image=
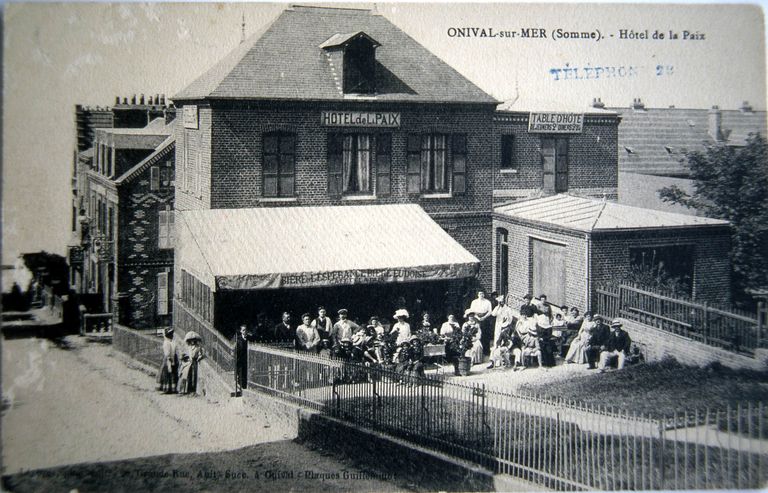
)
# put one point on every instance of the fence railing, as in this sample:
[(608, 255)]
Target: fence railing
[(96, 324), (728, 329), (559, 444), (144, 346)]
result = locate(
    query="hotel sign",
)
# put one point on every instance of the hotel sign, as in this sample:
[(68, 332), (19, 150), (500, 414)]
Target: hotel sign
[(556, 123), (190, 116), (359, 119)]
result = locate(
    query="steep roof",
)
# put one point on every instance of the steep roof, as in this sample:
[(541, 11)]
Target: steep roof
[(655, 140), (286, 62), (591, 215), (166, 147)]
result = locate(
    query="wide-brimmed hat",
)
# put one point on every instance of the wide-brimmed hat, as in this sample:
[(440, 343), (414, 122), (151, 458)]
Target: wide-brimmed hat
[(168, 331), (616, 323), (402, 312), (346, 339), (500, 298), (528, 296), (343, 311), (468, 312), (192, 336), (413, 338)]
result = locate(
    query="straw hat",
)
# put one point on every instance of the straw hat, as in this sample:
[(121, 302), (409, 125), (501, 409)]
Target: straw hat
[(402, 312)]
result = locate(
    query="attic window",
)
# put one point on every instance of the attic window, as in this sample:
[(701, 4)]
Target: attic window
[(629, 150), (356, 55)]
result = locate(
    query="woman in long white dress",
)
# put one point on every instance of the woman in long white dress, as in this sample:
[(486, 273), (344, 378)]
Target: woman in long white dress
[(577, 352)]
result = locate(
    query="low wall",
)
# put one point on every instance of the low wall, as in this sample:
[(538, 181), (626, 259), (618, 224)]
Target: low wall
[(413, 464), (659, 344)]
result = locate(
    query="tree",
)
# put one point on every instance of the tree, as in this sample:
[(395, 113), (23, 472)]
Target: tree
[(731, 183)]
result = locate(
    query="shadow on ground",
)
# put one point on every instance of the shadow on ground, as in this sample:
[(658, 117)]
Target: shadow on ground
[(274, 467)]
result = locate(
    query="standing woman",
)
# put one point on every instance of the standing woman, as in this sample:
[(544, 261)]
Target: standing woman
[(188, 380), (168, 376)]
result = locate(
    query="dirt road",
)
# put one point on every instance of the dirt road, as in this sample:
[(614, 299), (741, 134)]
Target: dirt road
[(82, 403)]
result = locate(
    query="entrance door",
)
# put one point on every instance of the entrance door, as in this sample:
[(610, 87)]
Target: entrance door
[(549, 271), (554, 154)]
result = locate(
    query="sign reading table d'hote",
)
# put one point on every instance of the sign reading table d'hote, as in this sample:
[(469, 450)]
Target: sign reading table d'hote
[(360, 119), (189, 117), (556, 123)]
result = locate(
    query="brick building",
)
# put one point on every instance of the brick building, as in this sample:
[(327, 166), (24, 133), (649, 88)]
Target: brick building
[(538, 156), (123, 194), (332, 109), (566, 246)]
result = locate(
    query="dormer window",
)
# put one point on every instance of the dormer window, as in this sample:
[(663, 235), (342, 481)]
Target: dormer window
[(354, 55)]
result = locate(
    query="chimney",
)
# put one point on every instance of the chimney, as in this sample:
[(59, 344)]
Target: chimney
[(133, 99), (746, 107), (162, 99), (598, 103), (141, 99), (715, 124), (150, 101), (637, 104), (117, 100), (125, 100), (169, 113), (157, 98)]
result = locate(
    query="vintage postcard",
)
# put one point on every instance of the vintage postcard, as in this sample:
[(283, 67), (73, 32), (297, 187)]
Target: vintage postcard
[(384, 247)]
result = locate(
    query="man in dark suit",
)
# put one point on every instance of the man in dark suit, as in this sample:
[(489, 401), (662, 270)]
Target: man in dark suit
[(616, 345), (284, 331), (241, 357), (599, 336)]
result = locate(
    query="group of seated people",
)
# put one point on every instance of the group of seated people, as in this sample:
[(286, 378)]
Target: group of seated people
[(537, 331)]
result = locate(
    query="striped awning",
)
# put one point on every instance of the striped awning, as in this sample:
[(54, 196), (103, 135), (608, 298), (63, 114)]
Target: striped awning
[(291, 247)]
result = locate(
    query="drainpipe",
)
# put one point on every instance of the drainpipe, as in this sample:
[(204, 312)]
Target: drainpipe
[(587, 237)]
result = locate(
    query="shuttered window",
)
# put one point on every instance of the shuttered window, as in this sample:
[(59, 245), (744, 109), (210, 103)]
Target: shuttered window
[(459, 148), (165, 228), (383, 164), (154, 178), (162, 293)]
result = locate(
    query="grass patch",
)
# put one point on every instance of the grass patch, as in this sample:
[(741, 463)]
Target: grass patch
[(663, 388)]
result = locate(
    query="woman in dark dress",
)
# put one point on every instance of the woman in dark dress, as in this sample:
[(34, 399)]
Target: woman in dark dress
[(168, 376)]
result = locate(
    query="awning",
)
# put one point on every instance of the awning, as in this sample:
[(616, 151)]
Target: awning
[(292, 247)]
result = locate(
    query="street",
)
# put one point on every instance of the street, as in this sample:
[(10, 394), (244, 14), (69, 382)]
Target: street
[(80, 403)]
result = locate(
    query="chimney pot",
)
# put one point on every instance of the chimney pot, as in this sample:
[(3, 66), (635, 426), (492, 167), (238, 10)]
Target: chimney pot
[(149, 102), (637, 104), (597, 103), (125, 100), (715, 122), (746, 107), (117, 99), (141, 99), (133, 99)]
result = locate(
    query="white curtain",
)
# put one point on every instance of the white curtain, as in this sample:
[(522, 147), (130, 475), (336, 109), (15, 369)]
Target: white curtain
[(348, 163), (364, 163)]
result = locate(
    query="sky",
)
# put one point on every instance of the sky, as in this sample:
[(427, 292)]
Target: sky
[(59, 55)]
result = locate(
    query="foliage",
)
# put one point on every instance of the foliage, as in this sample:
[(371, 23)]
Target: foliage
[(732, 183), (52, 269), (657, 279), (459, 343)]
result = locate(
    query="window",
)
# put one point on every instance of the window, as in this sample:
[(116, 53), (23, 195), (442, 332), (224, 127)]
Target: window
[(350, 158), (279, 164), (360, 66), (165, 228), (507, 155), (428, 167), (111, 226), (554, 154), (667, 267), (154, 178), (502, 275), (162, 293)]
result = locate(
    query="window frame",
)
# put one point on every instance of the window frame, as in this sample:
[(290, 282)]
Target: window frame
[(279, 174)]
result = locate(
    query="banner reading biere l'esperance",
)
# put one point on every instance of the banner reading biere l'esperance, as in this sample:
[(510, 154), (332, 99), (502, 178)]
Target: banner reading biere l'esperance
[(556, 123)]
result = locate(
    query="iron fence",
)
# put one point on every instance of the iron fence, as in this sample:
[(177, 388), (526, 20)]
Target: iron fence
[(729, 329), (559, 444), (96, 325), (144, 346)]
